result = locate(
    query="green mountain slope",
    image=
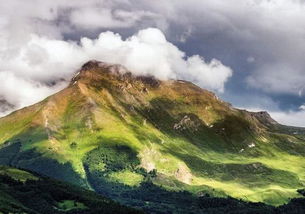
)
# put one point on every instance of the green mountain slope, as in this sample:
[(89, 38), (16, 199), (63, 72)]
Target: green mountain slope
[(24, 192), (110, 130)]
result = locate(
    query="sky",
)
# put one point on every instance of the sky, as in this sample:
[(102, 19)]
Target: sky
[(249, 52)]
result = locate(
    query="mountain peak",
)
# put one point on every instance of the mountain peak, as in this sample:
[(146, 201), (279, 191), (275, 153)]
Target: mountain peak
[(97, 65), (95, 71), (97, 68)]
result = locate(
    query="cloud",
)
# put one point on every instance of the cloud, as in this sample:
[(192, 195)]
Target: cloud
[(92, 18), (17, 92), (278, 78), (212, 75), (293, 118), (42, 66), (57, 18), (270, 31), (148, 52)]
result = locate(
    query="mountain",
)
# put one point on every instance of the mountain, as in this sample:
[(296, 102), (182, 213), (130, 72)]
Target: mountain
[(114, 132), (26, 192)]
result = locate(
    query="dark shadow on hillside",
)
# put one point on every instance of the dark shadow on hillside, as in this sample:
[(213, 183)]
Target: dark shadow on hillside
[(228, 135), (12, 155), (251, 175), (49, 196)]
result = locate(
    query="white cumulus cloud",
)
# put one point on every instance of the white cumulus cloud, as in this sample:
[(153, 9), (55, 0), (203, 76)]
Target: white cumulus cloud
[(302, 107), (42, 66)]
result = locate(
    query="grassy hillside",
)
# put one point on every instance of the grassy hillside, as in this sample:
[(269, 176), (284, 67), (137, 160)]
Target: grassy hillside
[(110, 129)]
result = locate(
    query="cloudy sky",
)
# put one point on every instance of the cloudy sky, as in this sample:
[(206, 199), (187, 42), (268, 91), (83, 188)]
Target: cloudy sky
[(249, 52)]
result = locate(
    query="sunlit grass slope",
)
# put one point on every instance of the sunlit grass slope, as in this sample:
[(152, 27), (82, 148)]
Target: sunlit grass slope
[(110, 125)]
